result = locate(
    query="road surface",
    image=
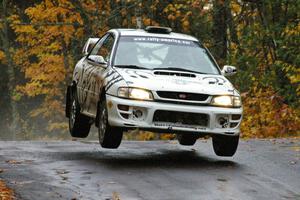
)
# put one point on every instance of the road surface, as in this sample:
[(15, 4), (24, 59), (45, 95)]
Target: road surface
[(155, 170)]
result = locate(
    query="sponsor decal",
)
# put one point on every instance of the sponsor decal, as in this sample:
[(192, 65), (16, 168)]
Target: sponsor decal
[(213, 80), (159, 40), (137, 74), (180, 82), (112, 77), (171, 126)]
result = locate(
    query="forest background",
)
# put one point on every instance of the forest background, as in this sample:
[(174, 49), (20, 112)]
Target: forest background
[(41, 40)]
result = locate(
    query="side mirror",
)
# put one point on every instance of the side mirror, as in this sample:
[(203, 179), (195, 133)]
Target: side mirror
[(228, 70), (97, 59), (90, 43)]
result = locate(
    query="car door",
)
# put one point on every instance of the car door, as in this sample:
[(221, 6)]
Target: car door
[(95, 65)]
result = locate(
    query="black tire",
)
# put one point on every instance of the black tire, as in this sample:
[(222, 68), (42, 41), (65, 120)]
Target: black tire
[(187, 139), (109, 137), (225, 145), (79, 124)]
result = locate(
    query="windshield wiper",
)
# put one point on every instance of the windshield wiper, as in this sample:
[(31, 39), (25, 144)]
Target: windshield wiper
[(177, 69), (131, 66)]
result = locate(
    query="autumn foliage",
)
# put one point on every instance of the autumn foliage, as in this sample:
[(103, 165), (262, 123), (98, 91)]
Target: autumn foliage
[(267, 115), (261, 38)]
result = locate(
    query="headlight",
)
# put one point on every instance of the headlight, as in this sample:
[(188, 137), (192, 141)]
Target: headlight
[(135, 93), (227, 101)]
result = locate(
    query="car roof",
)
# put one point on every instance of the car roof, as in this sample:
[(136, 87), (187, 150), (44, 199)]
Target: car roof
[(142, 32)]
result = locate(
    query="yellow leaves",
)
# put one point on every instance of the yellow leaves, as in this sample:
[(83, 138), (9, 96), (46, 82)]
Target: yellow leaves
[(266, 114), (181, 13), (167, 136), (49, 70), (292, 72), (291, 31), (41, 54), (57, 126), (189, 13), (235, 8), (2, 57), (31, 89), (171, 17), (146, 135), (186, 24), (295, 77)]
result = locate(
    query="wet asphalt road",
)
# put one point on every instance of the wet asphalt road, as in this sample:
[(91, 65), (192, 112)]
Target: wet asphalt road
[(156, 170)]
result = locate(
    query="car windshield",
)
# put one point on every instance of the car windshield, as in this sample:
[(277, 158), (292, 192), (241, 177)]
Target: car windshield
[(163, 53)]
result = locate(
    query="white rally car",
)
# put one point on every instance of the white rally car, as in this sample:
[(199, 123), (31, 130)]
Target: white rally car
[(157, 80)]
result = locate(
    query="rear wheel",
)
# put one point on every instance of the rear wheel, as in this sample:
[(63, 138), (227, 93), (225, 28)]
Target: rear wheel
[(109, 137), (225, 145), (186, 139), (79, 124)]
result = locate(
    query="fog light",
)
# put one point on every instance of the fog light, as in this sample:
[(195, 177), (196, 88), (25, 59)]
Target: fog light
[(223, 121), (137, 113)]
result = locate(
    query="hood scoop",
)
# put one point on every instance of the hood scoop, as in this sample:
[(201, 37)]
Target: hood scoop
[(172, 73)]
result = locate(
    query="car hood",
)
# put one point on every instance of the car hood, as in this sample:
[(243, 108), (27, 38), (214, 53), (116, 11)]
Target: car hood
[(165, 80)]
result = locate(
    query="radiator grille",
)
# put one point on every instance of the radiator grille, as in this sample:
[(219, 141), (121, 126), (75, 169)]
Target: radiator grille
[(182, 96)]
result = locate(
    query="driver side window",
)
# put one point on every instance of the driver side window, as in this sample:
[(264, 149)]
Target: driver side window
[(104, 48)]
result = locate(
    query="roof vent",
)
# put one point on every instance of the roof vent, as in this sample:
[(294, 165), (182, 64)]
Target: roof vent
[(158, 29)]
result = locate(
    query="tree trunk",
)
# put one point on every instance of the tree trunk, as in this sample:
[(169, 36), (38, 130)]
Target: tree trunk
[(10, 72), (219, 30)]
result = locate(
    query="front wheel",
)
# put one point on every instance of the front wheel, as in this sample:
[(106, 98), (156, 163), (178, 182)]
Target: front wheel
[(109, 137), (186, 139), (225, 145)]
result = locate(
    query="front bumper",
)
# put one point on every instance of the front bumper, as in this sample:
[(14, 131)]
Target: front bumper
[(148, 108)]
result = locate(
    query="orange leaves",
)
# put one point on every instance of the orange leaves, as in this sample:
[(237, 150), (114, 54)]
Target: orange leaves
[(5, 192), (46, 13), (43, 56), (180, 12), (147, 22)]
